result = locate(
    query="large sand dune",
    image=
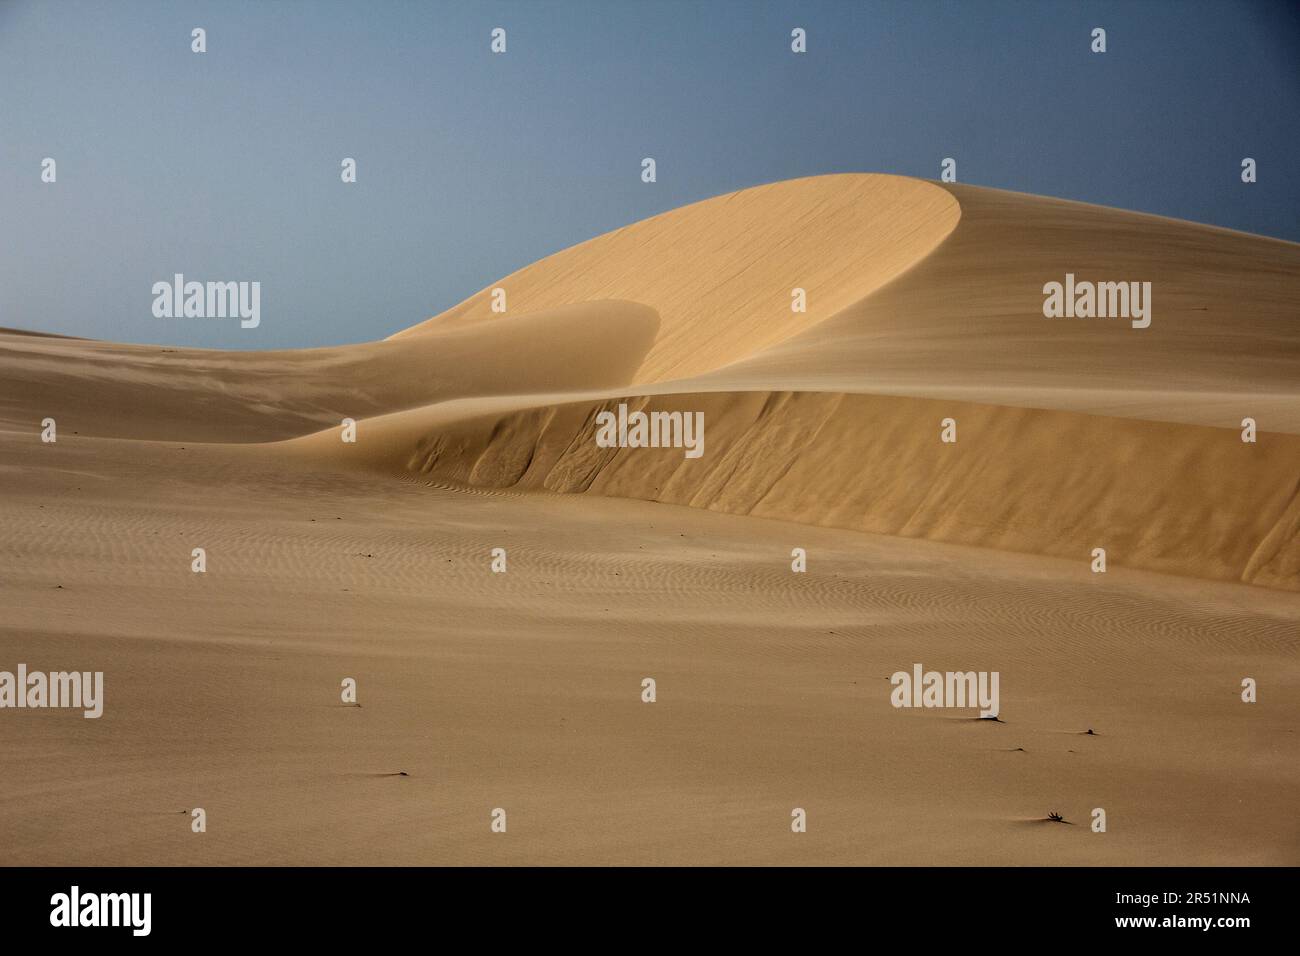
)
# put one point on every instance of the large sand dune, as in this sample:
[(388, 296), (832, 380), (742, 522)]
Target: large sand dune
[(833, 416), (476, 430)]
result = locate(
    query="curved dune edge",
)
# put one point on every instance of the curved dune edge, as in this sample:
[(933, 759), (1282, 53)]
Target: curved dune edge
[(720, 272), (1179, 499)]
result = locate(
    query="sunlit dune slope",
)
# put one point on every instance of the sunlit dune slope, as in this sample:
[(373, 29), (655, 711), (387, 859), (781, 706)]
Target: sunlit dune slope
[(966, 322), (908, 293), (720, 273)]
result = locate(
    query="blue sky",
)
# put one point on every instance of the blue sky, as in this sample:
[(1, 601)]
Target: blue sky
[(225, 165)]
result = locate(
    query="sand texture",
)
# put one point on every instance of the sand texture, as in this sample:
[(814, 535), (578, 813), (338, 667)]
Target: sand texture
[(522, 690)]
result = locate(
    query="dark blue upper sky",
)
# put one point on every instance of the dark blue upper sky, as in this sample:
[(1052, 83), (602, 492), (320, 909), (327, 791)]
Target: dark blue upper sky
[(225, 165)]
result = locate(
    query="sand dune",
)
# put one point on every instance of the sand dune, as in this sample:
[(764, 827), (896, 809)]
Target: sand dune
[(477, 430), (931, 308), (909, 293), (720, 272), (950, 325)]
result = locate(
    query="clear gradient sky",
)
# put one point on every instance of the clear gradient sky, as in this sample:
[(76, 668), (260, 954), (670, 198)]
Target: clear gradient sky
[(225, 165)]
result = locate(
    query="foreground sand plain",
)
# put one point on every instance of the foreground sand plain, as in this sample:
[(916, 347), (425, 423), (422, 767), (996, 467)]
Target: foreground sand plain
[(522, 690)]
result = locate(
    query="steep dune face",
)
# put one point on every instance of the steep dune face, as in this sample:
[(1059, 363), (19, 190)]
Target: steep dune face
[(720, 273), (1180, 499)]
